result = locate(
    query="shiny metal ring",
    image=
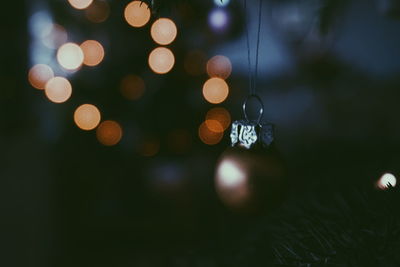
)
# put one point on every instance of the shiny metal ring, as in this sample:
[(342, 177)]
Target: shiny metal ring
[(261, 112)]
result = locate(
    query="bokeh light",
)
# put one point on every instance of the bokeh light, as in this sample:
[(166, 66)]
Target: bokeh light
[(221, 2), (215, 90), (58, 89), (209, 137), (167, 177), (386, 181), (93, 52), (98, 11), (195, 62), (109, 133), (132, 87), (54, 36), (39, 75), (87, 117), (214, 126), (80, 4), (218, 19), (219, 114), (70, 56), (40, 23), (163, 31), (219, 66), (137, 13), (150, 148), (161, 60)]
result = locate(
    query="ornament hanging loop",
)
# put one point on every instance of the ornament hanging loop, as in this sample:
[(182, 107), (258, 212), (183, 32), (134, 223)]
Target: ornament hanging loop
[(250, 133), (261, 110)]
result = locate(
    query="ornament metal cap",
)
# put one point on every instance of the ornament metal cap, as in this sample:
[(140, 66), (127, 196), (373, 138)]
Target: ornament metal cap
[(247, 133)]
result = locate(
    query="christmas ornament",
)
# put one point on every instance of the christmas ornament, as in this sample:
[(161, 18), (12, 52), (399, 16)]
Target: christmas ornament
[(250, 174)]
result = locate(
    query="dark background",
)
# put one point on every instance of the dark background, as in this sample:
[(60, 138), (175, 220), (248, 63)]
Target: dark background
[(66, 200)]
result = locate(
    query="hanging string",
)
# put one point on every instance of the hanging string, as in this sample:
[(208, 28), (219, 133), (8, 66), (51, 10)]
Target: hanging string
[(248, 51), (253, 76), (258, 45)]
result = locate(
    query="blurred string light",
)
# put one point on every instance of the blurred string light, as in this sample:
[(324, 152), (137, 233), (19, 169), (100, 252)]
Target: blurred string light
[(137, 13), (87, 117), (150, 147), (40, 22), (132, 87), (109, 133), (163, 31), (70, 56), (221, 2), (98, 11), (219, 66), (220, 115), (209, 137), (195, 62), (297, 20), (218, 19), (80, 4), (54, 36), (40, 28), (215, 90), (214, 126), (58, 89), (39, 75), (387, 180), (161, 60), (167, 177), (93, 52)]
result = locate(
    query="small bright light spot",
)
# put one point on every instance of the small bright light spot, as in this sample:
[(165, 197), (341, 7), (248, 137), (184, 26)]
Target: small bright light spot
[(132, 87), (215, 90), (161, 60), (70, 56), (229, 175), (218, 19), (109, 133), (39, 75), (163, 31), (387, 180), (195, 62), (137, 13), (93, 52), (58, 89), (209, 137), (220, 115), (80, 4), (54, 36), (221, 2), (219, 66), (98, 11), (87, 117)]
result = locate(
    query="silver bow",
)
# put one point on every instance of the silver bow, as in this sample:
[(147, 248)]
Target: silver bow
[(246, 133)]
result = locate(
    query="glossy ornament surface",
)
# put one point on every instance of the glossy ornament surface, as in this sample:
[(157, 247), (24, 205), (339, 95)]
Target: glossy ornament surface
[(250, 179)]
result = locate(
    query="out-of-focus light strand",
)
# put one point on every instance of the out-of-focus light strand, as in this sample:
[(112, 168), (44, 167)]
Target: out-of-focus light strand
[(137, 14)]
